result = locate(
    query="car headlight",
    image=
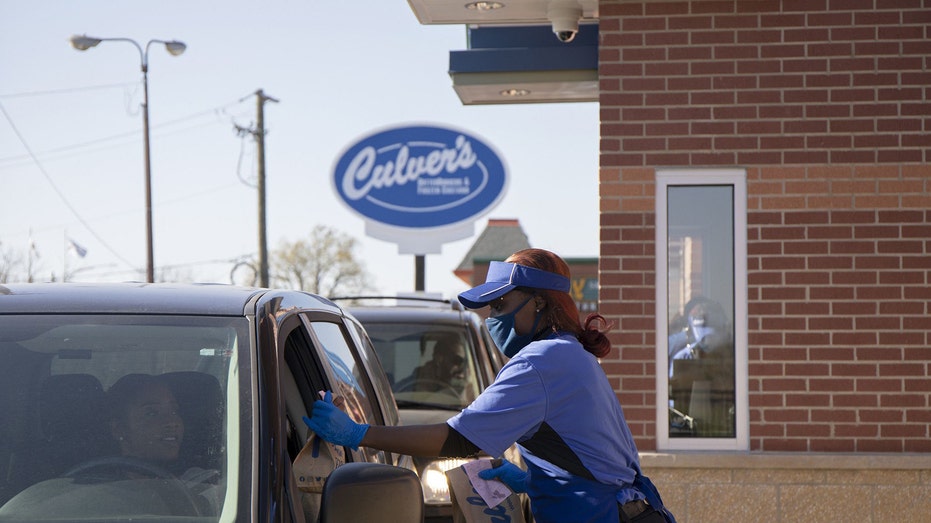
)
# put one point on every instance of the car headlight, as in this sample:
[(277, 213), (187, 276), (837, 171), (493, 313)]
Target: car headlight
[(433, 480)]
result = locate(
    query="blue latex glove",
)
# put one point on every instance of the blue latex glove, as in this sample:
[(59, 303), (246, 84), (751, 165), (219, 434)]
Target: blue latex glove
[(334, 425), (507, 473)]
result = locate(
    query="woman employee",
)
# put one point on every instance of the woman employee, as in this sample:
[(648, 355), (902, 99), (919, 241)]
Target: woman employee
[(552, 398)]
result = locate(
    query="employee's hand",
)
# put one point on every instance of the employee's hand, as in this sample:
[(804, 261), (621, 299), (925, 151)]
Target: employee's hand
[(334, 425), (507, 473)]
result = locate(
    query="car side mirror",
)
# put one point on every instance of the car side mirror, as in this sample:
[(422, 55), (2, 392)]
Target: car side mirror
[(372, 492)]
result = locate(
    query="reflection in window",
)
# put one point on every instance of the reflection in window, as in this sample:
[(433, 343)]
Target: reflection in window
[(348, 375), (701, 295), (698, 306)]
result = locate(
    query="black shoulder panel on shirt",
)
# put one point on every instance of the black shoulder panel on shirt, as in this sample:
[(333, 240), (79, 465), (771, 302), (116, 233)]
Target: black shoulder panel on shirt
[(549, 445), (458, 446)]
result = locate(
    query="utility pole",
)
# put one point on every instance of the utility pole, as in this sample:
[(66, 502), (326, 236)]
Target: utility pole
[(420, 263), (259, 134)]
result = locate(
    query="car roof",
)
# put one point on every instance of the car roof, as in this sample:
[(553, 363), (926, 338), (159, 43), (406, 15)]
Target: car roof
[(147, 298), (401, 313), (405, 309)]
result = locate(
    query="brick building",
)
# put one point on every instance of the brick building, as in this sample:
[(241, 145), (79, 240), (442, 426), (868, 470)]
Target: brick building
[(775, 158), (820, 111)]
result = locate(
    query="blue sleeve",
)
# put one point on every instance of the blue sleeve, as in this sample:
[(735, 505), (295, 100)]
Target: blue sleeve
[(510, 409)]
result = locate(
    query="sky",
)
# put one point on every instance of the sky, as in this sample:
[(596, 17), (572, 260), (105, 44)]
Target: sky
[(71, 148)]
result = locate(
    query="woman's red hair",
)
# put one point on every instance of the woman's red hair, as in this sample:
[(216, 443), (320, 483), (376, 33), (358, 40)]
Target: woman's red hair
[(561, 312)]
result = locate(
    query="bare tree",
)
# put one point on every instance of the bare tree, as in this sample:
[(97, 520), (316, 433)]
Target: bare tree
[(9, 264), (174, 274), (323, 264), (245, 272)]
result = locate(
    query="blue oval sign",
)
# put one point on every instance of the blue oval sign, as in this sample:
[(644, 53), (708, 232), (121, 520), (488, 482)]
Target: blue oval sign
[(420, 176)]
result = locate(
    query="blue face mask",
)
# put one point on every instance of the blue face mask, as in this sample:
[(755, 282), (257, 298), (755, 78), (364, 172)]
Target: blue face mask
[(506, 338)]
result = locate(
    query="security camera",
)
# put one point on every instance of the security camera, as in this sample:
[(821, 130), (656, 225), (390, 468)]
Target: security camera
[(564, 15), (566, 36)]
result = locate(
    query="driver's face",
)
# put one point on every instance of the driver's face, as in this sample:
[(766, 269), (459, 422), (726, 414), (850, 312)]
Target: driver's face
[(152, 428), (450, 360)]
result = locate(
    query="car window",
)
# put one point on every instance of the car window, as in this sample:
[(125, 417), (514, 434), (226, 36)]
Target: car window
[(379, 379), (301, 378), (351, 382), (428, 364), (109, 407)]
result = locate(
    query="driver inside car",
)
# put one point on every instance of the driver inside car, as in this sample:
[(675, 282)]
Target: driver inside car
[(144, 419), (445, 370), (149, 431)]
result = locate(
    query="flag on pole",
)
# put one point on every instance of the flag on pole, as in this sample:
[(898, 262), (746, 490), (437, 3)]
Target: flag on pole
[(76, 249)]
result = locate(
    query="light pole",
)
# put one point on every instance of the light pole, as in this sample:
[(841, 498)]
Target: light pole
[(175, 48)]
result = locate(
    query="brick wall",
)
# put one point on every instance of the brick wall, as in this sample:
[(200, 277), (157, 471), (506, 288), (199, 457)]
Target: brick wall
[(765, 82), (839, 320), (826, 103)]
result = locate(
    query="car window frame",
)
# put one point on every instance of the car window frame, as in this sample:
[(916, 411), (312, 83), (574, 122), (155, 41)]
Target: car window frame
[(309, 318), (373, 367)]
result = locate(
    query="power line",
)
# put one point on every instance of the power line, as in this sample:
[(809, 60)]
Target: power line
[(67, 90), (16, 160), (194, 196), (102, 272), (33, 157), (57, 190)]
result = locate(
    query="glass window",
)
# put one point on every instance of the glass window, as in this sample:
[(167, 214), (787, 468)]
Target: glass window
[(379, 379), (428, 365), (350, 378), (138, 413), (701, 309)]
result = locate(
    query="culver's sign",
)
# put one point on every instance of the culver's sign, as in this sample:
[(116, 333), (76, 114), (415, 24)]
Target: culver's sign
[(420, 177)]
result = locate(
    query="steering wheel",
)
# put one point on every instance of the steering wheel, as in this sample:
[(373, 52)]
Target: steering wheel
[(430, 385), (124, 463), (131, 464)]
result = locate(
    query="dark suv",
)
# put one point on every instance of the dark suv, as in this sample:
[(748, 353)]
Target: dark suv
[(438, 357), (126, 402)]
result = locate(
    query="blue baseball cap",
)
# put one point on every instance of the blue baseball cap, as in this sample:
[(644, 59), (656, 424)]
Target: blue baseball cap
[(504, 277)]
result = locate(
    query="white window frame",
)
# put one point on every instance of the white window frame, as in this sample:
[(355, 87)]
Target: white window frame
[(737, 178)]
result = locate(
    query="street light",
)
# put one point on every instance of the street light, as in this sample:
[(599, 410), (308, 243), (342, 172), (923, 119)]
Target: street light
[(175, 48)]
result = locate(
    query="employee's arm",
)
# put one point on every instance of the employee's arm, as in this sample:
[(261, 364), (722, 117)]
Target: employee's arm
[(414, 440)]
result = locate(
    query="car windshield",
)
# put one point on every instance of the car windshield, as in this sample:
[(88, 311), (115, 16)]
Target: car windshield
[(121, 417), (428, 366)]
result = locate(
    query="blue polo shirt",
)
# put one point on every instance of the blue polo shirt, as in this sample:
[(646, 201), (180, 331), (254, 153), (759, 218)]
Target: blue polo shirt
[(554, 400)]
